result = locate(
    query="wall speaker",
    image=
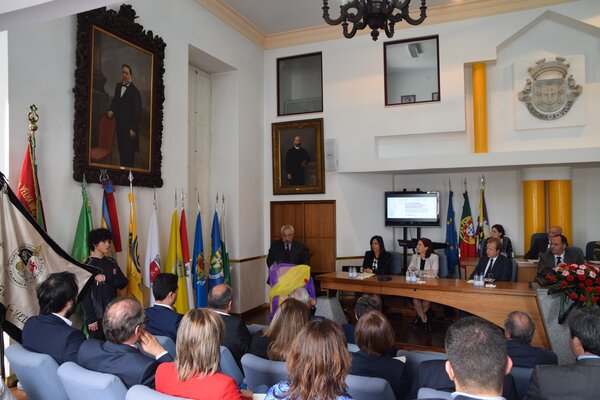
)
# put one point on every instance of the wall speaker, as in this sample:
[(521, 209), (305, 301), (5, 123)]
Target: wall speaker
[(330, 155), (415, 49)]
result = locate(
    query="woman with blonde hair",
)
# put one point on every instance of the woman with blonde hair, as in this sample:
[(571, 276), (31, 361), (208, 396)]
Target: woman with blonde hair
[(195, 373), (275, 341), (317, 363)]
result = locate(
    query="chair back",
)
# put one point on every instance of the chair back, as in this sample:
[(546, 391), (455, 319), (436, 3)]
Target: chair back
[(428, 393), (521, 377), (353, 348), (168, 344), (229, 367), (37, 373), (589, 250), (414, 358), (396, 263), (514, 270), (442, 265), (366, 388), (575, 250), (535, 237), (259, 371), (253, 328), (81, 383), (141, 392)]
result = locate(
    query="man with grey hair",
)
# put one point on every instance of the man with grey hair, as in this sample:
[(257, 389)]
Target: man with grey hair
[(301, 294), (518, 331), (120, 355), (287, 250), (573, 381)]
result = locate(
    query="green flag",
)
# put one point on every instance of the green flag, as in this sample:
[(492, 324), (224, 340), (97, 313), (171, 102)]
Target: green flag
[(80, 249)]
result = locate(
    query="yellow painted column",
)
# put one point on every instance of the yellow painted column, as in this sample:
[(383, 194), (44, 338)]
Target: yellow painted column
[(559, 204), (480, 108), (534, 210)]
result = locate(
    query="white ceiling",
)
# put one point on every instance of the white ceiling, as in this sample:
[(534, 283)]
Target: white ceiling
[(276, 16)]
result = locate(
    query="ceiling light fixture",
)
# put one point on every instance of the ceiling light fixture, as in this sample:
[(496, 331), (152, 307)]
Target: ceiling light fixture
[(376, 14)]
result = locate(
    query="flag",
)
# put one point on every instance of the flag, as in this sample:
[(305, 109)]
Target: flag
[(134, 272), (80, 250), (483, 226), (28, 189), (110, 219), (215, 272), (226, 272), (187, 261), (451, 249), (467, 231), (198, 267), (27, 256), (152, 263), (175, 265)]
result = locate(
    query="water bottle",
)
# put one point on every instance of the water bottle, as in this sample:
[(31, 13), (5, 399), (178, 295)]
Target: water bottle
[(352, 272)]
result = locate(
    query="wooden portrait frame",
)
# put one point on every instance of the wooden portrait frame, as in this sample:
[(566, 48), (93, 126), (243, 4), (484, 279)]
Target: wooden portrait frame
[(106, 41), (310, 132)]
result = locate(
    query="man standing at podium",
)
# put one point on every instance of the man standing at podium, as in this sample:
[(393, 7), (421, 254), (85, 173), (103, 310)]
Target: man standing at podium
[(287, 250)]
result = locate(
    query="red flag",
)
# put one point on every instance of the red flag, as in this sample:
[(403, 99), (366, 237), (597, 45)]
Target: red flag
[(28, 190), (467, 231), (110, 219), (187, 261)]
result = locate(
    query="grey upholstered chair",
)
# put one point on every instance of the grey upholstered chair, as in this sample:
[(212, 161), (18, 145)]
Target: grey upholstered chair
[(229, 367), (81, 383), (366, 388), (259, 371), (141, 392)]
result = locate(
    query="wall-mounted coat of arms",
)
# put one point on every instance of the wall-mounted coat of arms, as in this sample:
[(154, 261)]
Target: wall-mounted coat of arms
[(549, 94)]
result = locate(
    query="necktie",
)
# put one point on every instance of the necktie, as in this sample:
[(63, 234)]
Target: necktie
[(489, 267), (558, 260), (287, 253)]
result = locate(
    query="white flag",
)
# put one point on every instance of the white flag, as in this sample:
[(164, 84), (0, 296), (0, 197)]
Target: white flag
[(152, 262)]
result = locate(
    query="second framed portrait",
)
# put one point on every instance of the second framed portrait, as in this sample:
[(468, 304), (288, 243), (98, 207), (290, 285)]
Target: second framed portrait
[(298, 162)]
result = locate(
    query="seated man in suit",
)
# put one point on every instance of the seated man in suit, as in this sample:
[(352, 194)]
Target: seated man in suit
[(364, 304), (120, 355), (573, 381), (558, 254), (162, 318), (477, 360), (518, 331), (494, 264), (542, 245), (287, 250), (237, 337), (51, 332)]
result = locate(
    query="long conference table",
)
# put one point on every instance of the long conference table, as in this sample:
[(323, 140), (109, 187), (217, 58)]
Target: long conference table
[(493, 304)]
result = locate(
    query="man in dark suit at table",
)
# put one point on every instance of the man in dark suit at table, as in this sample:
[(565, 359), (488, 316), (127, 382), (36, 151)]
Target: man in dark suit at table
[(287, 250), (542, 244), (518, 331), (237, 337), (477, 360), (120, 355), (51, 332), (559, 253), (573, 381), (163, 320), (494, 264)]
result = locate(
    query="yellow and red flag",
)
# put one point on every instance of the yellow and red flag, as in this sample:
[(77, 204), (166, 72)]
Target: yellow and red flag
[(175, 265), (134, 272), (28, 190)]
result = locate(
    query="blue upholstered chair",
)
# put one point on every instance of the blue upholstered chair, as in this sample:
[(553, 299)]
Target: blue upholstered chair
[(253, 328), (442, 265), (366, 388), (575, 249), (427, 393), (514, 270), (535, 237), (413, 359), (352, 348), (229, 367), (259, 371), (396, 263), (141, 392), (37, 373), (521, 377), (168, 344), (589, 250), (81, 383)]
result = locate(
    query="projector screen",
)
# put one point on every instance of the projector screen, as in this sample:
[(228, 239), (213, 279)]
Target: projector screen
[(412, 208)]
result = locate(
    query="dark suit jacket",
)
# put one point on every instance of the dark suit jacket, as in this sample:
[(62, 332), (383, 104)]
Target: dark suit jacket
[(432, 374), (547, 261), (349, 332), (527, 356), (573, 381), (259, 345), (365, 364), (162, 321), (237, 337), (384, 263), (127, 109), (540, 246), (49, 334), (124, 361), (502, 268), (298, 253)]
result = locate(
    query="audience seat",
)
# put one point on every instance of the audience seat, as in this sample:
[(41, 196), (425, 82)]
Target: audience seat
[(259, 371), (37, 373), (168, 344), (229, 367), (81, 383), (522, 377), (428, 393), (365, 388), (589, 250), (253, 328), (353, 348), (413, 360), (141, 392)]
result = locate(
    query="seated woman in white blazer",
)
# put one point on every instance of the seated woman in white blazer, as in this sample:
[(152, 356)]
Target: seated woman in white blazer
[(426, 263)]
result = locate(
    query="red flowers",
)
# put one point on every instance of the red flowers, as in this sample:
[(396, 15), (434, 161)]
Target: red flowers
[(570, 278), (580, 283)]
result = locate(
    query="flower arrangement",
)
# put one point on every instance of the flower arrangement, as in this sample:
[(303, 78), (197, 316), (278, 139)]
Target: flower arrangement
[(579, 283)]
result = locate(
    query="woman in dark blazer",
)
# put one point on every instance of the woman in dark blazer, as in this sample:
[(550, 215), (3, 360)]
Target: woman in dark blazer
[(377, 260), (498, 232), (374, 338)]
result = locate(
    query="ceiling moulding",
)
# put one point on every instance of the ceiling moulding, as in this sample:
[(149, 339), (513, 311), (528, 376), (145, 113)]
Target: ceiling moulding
[(435, 15)]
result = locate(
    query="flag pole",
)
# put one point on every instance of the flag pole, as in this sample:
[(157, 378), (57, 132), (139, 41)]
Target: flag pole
[(154, 199)]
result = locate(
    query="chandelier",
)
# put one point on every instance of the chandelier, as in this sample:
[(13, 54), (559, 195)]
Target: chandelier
[(376, 14)]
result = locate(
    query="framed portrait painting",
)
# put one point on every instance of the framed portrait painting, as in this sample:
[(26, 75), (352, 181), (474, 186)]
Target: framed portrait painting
[(298, 162), (119, 94)]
